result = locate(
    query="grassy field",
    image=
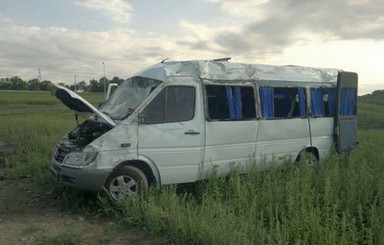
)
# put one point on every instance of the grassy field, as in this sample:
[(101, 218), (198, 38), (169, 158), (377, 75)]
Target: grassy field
[(336, 202), (33, 122)]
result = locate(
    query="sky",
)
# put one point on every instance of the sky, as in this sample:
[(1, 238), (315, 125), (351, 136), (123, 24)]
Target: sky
[(64, 38)]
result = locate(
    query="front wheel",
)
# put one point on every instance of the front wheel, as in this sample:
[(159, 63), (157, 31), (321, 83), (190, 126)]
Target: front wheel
[(126, 181)]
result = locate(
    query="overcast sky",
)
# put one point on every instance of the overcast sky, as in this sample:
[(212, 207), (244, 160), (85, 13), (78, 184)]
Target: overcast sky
[(68, 37)]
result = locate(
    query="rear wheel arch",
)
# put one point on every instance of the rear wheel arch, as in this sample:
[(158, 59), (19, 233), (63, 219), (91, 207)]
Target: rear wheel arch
[(309, 150)]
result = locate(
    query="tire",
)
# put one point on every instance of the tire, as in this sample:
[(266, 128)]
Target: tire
[(126, 181), (308, 157)]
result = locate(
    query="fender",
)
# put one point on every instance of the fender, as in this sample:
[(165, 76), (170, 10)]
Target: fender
[(309, 148), (153, 166), (142, 160)]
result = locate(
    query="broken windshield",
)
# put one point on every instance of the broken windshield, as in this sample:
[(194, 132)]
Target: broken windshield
[(128, 96)]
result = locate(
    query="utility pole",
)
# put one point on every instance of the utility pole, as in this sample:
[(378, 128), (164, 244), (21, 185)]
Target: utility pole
[(75, 84), (105, 92), (39, 80)]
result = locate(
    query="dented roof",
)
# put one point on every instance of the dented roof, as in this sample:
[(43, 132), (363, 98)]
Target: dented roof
[(224, 70)]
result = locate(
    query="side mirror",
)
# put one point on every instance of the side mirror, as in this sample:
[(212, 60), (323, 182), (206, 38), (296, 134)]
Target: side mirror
[(111, 88)]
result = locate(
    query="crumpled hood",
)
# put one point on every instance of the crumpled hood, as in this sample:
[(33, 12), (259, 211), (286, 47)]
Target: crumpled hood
[(78, 104)]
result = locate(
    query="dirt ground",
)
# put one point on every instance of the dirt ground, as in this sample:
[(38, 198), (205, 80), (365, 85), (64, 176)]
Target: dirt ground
[(30, 216)]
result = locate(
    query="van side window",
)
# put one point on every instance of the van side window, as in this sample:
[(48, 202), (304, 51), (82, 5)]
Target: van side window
[(230, 102), (323, 101), (282, 102), (172, 104), (329, 98)]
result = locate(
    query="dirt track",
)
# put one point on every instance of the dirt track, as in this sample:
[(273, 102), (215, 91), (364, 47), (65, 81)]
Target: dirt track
[(31, 216)]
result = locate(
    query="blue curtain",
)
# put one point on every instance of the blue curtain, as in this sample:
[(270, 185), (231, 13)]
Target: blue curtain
[(348, 102), (302, 102), (317, 104), (266, 102), (228, 91), (331, 101), (237, 103)]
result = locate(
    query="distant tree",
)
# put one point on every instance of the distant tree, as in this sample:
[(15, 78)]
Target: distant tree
[(45, 85), (5, 84), (117, 80), (95, 86), (17, 83), (63, 84), (101, 84), (82, 85), (33, 84)]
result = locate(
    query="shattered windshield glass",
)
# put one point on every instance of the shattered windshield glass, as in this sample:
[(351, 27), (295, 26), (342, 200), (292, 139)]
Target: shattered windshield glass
[(128, 96)]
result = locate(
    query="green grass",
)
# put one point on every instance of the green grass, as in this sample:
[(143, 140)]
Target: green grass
[(39, 99), (34, 133), (370, 116), (336, 202)]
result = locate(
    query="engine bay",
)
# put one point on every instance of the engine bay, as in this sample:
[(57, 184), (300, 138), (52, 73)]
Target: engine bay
[(87, 132), (80, 137)]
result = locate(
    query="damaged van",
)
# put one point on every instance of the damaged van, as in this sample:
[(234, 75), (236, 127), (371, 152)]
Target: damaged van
[(176, 122)]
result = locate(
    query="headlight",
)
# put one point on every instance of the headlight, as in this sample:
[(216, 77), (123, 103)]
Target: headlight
[(79, 159)]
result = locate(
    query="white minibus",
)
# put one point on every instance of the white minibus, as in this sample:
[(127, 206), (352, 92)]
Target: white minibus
[(176, 122)]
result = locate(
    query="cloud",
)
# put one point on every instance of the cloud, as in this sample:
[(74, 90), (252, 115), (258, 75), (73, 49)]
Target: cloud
[(116, 10), (271, 26), (62, 52), (274, 32)]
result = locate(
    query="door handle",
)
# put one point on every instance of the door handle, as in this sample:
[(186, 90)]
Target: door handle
[(192, 132)]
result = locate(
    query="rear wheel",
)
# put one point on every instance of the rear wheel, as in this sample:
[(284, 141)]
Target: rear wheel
[(308, 156), (310, 159), (126, 181)]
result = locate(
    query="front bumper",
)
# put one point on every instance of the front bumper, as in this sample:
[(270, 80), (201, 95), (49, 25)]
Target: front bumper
[(80, 178)]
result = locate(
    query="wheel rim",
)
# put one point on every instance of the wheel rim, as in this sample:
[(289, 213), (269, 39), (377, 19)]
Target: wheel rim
[(122, 186), (311, 159)]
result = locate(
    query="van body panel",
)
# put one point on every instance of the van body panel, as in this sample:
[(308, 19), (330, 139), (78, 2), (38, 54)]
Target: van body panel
[(280, 140), (229, 144), (176, 147), (121, 138), (322, 135)]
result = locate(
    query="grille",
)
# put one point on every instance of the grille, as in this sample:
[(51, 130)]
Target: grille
[(62, 149), (56, 167)]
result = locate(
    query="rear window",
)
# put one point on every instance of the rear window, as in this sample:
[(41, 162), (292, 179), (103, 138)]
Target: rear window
[(348, 102)]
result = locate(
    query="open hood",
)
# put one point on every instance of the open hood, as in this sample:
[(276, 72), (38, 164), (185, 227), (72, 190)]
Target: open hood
[(78, 104)]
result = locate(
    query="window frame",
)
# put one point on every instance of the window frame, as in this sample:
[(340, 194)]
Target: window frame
[(206, 106), (165, 90), (325, 91), (298, 102)]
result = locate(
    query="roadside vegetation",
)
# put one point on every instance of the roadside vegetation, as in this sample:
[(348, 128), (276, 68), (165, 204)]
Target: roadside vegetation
[(335, 202)]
